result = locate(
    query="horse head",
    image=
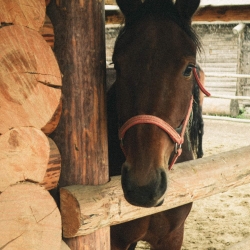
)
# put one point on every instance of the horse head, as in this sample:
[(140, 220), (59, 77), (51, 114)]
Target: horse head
[(154, 57)]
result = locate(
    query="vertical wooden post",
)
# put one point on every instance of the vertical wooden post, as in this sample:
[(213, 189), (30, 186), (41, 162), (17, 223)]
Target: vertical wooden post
[(239, 62), (234, 104), (81, 136)]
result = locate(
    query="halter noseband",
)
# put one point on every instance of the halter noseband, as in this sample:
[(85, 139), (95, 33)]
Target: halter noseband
[(177, 138)]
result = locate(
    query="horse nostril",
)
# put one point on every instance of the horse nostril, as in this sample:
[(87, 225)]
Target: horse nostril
[(163, 183), (148, 195)]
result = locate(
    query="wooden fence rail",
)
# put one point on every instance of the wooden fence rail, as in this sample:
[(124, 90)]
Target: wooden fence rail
[(231, 97), (227, 75), (84, 209)]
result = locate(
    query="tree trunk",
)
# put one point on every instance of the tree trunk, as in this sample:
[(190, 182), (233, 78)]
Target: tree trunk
[(82, 134), (29, 218)]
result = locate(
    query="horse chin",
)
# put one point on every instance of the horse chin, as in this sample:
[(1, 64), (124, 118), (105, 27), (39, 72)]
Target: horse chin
[(144, 204), (150, 194), (160, 202)]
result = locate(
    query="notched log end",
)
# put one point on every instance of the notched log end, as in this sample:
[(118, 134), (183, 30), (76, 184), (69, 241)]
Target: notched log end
[(70, 212)]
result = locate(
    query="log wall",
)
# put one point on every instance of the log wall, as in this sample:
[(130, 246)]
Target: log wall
[(30, 101), (30, 104), (245, 63)]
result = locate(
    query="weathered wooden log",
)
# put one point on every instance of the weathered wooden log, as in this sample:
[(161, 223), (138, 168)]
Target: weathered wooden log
[(100, 206), (52, 175), (221, 106), (30, 80), (27, 154), (112, 2), (47, 32), (230, 13), (237, 13), (29, 218), (54, 120), (28, 13), (216, 106), (82, 132)]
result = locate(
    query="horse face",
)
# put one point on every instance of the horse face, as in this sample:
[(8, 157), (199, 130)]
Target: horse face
[(153, 59)]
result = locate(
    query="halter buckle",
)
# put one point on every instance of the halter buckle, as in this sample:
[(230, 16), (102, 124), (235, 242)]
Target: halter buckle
[(177, 148)]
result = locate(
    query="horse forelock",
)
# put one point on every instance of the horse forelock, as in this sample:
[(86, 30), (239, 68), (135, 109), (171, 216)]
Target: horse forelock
[(160, 9)]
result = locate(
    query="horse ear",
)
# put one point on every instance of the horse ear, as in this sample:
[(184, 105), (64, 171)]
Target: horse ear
[(187, 8), (128, 6)]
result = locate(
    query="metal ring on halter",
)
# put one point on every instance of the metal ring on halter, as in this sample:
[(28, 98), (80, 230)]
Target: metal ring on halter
[(177, 147)]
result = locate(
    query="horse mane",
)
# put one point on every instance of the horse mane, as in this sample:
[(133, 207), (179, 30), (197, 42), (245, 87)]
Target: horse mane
[(160, 9), (116, 156), (196, 123)]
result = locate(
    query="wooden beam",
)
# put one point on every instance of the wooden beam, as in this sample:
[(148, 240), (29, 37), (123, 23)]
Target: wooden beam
[(111, 2), (226, 75), (95, 207), (29, 218), (31, 89), (114, 17), (223, 13), (27, 13), (209, 13), (81, 135), (27, 154)]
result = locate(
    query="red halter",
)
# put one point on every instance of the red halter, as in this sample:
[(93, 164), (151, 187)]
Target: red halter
[(177, 138)]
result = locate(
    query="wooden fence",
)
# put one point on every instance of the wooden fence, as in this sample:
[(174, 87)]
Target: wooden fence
[(100, 206), (224, 104), (30, 162)]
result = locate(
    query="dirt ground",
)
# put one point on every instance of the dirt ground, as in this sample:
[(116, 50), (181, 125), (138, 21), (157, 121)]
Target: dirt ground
[(222, 220)]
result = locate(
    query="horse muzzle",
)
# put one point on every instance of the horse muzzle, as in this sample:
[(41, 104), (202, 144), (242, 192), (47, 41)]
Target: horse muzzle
[(149, 195)]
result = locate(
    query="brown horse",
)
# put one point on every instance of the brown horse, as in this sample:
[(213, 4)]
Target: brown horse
[(150, 104)]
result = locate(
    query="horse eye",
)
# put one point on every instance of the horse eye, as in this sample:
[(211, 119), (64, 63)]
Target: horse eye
[(188, 70)]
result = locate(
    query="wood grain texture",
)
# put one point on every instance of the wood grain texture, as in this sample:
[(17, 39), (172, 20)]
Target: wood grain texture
[(28, 13), (81, 134), (29, 218), (52, 175), (100, 206), (235, 13), (30, 80), (27, 154), (208, 13), (47, 32)]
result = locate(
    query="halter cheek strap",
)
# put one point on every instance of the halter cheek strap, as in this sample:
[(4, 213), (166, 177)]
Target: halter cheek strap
[(177, 138), (199, 83)]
